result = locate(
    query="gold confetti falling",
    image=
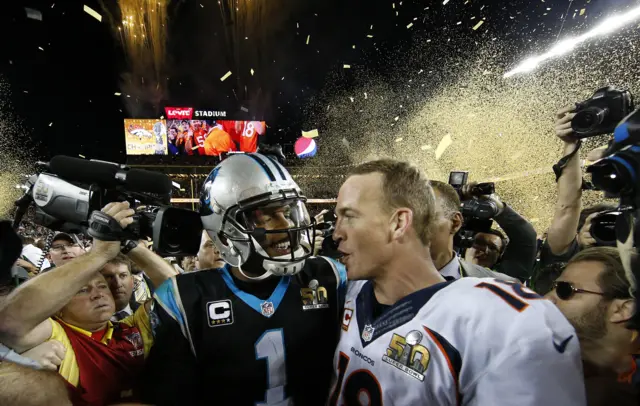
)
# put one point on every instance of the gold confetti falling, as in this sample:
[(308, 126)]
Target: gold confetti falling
[(117, 94), (252, 71), (582, 11), (475, 27), (310, 134), (443, 145), (399, 139), (226, 76), (308, 39), (345, 66), (410, 25), (92, 13)]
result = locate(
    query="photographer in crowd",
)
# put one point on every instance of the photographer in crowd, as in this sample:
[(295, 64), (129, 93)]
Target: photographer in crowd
[(570, 229), (513, 255), (64, 248), (449, 220), (73, 304)]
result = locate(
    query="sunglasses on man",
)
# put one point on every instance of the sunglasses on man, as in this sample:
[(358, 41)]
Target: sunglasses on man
[(565, 291)]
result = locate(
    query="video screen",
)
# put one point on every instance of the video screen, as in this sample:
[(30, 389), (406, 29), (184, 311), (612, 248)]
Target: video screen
[(145, 136), (213, 137)]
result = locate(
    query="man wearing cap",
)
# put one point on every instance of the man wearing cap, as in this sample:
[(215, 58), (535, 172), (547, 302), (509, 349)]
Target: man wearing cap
[(63, 249)]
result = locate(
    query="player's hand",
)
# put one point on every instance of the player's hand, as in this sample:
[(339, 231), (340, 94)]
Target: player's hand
[(48, 354), (123, 214), (317, 244), (585, 240), (563, 125)]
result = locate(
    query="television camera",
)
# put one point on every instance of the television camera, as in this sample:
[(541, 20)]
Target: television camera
[(69, 190)]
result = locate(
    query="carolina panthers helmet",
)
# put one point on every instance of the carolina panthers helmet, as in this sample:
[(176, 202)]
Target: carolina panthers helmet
[(255, 214)]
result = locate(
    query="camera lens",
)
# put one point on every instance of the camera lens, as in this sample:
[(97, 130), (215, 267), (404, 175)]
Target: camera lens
[(603, 228), (588, 120)]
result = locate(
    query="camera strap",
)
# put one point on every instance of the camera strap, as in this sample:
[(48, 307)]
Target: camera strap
[(562, 163), (104, 227)]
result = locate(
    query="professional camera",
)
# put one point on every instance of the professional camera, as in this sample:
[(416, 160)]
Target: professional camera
[(617, 175), (601, 113), (603, 228), (66, 195), (477, 213)]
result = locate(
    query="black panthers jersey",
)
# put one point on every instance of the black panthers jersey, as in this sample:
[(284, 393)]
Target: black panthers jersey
[(218, 344)]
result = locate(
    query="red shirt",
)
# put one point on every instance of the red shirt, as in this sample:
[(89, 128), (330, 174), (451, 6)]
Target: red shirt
[(245, 133)]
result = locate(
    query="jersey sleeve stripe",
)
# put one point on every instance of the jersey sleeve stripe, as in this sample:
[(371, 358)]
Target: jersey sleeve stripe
[(165, 296), (454, 360), (176, 292)]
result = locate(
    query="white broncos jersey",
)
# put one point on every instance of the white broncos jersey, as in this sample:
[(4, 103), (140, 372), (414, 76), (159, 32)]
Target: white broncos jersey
[(472, 341)]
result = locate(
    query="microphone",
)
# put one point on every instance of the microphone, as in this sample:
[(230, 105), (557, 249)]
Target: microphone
[(109, 175)]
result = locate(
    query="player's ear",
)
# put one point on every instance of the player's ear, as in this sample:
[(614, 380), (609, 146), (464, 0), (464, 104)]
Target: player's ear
[(621, 310), (400, 222)]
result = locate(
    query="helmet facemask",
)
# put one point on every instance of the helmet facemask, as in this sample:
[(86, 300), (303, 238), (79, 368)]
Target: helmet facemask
[(279, 233)]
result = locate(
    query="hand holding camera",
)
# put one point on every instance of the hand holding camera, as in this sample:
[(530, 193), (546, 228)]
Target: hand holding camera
[(563, 125), (483, 191), (123, 215)]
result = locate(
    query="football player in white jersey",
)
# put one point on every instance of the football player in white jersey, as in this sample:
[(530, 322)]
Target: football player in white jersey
[(411, 338)]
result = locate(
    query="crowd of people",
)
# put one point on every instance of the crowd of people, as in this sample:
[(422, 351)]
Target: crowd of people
[(400, 310)]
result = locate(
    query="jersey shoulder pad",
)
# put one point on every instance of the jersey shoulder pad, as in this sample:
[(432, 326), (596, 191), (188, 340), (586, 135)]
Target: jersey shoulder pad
[(325, 266)]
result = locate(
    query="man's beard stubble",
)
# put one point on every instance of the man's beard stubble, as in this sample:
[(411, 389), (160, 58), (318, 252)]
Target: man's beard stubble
[(592, 326)]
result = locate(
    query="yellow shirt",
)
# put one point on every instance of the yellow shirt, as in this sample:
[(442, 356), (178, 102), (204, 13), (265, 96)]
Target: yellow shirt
[(69, 367)]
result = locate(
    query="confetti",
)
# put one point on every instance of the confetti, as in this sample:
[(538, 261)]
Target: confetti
[(226, 76), (282, 78), (201, 5), (40, 48), (445, 2), (345, 66), (117, 94), (308, 38), (369, 36), (92, 13), (475, 27), (353, 46), (410, 25), (33, 14), (246, 110), (371, 28), (310, 134), (397, 118), (365, 95), (399, 139), (351, 98), (81, 156), (582, 11), (51, 124), (425, 147), (443, 145), (252, 72)]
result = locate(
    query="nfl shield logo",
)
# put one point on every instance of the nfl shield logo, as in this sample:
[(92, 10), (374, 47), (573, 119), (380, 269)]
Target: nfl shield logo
[(267, 309), (367, 334)]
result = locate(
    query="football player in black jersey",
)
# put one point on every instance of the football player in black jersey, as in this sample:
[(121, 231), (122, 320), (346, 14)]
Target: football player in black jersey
[(263, 329)]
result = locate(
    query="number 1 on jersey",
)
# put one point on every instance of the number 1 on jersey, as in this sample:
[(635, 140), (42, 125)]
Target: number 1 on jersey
[(270, 346)]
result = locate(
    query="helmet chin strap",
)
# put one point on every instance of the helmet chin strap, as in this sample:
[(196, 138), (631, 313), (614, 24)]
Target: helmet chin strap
[(264, 276)]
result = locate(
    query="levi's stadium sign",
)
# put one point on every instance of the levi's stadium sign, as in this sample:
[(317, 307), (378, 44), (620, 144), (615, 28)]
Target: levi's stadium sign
[(176, 113), (210, 113)]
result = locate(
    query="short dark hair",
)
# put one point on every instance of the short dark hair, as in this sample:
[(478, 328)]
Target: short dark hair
[(448, 197), (27, 240), (613, 280), (503, 238), (404, 185), (121, 259)]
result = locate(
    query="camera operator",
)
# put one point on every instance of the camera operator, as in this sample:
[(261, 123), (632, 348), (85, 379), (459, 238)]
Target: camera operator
[(449, 222), (513, 255), (73, 304), (570, 227)]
